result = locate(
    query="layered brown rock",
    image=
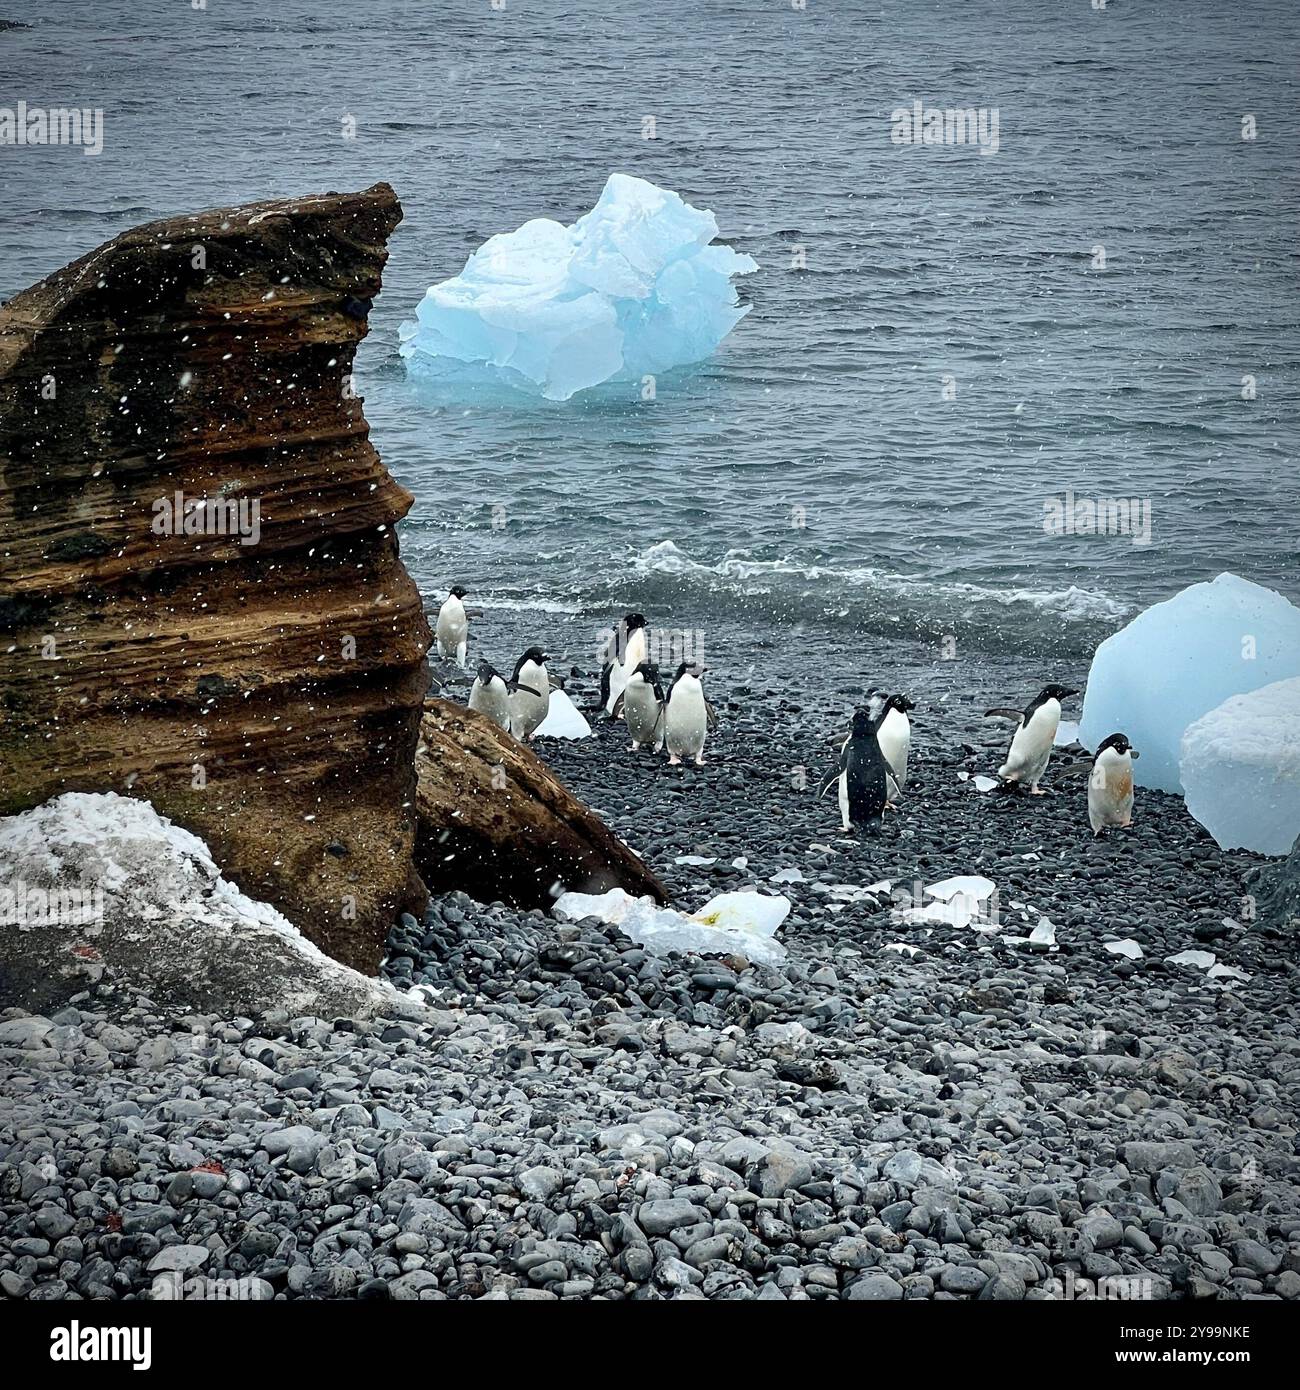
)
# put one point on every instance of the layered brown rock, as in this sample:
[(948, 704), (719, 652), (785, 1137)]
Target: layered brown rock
[(495, 821), (266, 696)]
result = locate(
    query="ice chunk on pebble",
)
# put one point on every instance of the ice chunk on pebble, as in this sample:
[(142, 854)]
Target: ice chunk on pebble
[(632, 288), (563, 719), (1127, 948), (1240, 767), (1178, 660), (742, 924), (969, 885)]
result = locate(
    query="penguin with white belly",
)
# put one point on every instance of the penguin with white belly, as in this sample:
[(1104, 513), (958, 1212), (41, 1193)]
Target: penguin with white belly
[(530, 693), (894, 734), (451, 631), (1031, 744), (615, 673), (642, 707), (863, 776), (1110, 785), (687, 716), (490, 694)]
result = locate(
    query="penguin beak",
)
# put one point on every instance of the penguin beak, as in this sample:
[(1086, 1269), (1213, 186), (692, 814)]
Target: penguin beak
[(1065, 694)]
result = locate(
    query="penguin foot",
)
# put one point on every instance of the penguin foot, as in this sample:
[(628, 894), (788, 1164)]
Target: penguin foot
[(674, 760), (1039, 791), (632, 747), (699, 760)]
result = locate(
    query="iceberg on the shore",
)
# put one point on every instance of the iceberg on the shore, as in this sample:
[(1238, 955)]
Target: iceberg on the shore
[(741, 924), (1240, 768), (1179, 659), (563, 719), (632, 289)]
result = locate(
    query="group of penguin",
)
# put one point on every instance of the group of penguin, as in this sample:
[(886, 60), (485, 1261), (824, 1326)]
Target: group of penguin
[(677, 719), (873, 760), (872, 771)]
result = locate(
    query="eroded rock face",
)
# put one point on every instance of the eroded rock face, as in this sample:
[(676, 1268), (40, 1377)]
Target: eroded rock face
[(496, 823), (255, 668)]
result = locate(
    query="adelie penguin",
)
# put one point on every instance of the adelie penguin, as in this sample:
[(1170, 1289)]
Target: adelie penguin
[(1110, 785), (490, 694), (1031, 744), (894, 734), (687, 715), (451, 631), (530, 693), (642, 707), (615, 673), (863, 776)]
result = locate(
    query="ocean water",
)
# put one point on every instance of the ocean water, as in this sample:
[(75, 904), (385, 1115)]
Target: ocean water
[(815, 474)]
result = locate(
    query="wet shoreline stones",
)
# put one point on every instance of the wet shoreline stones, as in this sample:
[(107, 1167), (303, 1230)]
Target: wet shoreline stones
[(574, 1118)]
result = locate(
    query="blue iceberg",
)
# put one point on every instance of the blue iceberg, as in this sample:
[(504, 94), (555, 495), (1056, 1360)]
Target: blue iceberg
[(632, 289), (1180, 659), (1240, 767)]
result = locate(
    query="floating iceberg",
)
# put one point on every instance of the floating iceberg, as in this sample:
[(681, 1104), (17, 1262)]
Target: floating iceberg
[(742, 924), (1240, 769), (631, 289), (1179, 659)]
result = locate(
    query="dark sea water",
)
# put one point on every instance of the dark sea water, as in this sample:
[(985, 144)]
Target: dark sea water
[(923, 517)]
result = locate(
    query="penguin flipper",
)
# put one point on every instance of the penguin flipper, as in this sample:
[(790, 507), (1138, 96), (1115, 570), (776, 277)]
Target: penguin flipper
[(829, 782), (617, 711), (527, 689), (892, 789), (710, 715), (1000, 713)]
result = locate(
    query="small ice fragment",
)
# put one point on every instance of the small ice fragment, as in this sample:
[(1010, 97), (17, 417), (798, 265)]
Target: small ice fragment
[(1066, 732), (787, 876), (563, 719), (696, 860), (902, 947), (1043, 934), (985, 784), (1128, 947), (1219, 971), (963, 776), (1033, 857), (742, 923), (1199, 960), (970, 885), (881, 889), (958, 913), (740, 862)]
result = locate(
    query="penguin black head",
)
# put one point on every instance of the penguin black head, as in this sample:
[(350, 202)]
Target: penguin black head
[(535, 655), (1056, 692), (634, 621), (486, 673), (863, 723), (903, 704), (1120, 743), (458, 591), (648, 671)]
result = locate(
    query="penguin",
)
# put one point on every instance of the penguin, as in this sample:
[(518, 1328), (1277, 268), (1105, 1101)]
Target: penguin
[(451, 632), (894, 734), (1110, 787), (642, 706), (530, 693), (614, 675), (490, 694), (863, 775), (1031, 744), (687, 715)]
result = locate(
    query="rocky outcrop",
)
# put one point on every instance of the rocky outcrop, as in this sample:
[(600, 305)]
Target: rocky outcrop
[(496, 823), (201, 599)]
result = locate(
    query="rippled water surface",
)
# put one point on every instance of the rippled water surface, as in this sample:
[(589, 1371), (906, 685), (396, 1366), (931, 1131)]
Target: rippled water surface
[(812, 471)]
